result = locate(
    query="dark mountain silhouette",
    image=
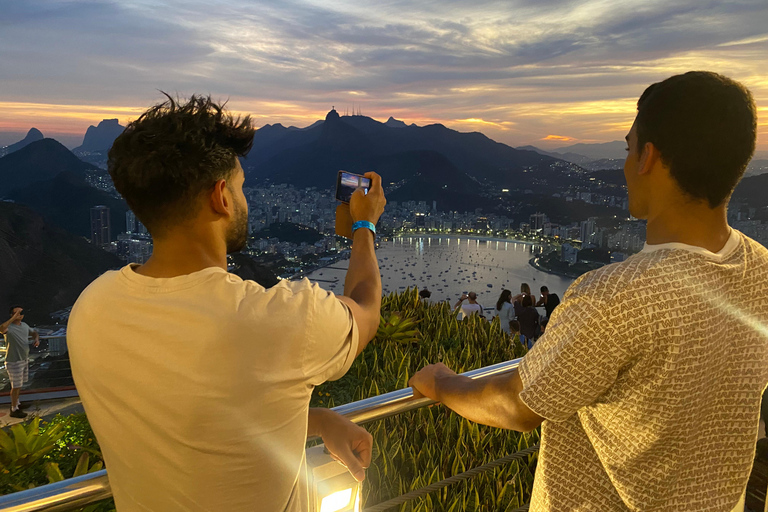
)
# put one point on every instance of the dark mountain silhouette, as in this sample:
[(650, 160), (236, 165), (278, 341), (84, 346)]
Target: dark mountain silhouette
[(100, 138), (756, 167), (613, 149), (33, 135), (44, 268), (248, 268), (395, 123), (420, 163), (290, 232), (66, 201), (753, 190), (568, 156), (39, 161)]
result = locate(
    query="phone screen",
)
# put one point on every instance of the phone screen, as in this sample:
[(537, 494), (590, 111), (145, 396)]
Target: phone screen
[(347, 183)]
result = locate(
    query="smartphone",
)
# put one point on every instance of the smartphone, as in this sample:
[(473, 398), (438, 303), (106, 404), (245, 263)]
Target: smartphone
[(347, 183)]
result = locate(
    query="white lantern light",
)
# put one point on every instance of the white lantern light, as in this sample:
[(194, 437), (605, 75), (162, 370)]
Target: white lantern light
[(332, 488)]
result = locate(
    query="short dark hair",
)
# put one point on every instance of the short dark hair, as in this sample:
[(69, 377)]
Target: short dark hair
[(544, 289), (173, 152), (514, 326), (10, 311), (705, 126), (425, 294)]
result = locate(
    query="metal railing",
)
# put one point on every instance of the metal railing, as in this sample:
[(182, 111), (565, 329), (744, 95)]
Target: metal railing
[(77, 492), (49, 371)]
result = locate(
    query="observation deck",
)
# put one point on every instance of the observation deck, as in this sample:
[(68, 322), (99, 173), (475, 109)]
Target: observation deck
[(52, 391)]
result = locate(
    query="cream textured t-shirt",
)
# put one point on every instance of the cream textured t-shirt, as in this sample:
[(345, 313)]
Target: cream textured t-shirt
[(198, 386), (649, 377)]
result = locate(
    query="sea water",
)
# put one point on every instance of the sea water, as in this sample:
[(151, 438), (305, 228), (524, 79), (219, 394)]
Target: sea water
[(450, 266)]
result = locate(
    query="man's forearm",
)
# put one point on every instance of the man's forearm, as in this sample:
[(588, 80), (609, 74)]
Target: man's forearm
[(363, 281), (490, 401), (4, 326), (316, 421)]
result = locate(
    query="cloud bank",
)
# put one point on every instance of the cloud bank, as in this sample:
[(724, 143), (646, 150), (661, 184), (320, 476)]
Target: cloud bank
[(516, 70)]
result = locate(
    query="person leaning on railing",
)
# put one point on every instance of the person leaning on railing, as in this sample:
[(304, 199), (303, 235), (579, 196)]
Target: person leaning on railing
[(197, 383), (641, 405)]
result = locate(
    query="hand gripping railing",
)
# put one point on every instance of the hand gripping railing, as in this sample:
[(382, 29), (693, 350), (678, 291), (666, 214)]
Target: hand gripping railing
[(77, 492)]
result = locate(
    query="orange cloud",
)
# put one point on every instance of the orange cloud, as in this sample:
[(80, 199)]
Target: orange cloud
[(561, 138)]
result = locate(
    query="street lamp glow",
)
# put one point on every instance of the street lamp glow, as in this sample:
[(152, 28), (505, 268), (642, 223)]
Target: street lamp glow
[(336, 501)]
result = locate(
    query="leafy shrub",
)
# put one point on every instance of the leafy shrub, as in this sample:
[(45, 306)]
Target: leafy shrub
[(421, 447), (43, 452)]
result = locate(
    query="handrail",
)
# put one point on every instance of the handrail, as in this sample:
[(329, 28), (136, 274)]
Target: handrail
[(402, 400), (77, 492), (60, 496)]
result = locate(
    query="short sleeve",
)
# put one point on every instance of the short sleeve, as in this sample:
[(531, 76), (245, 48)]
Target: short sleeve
[(574, 362), (333, 338)]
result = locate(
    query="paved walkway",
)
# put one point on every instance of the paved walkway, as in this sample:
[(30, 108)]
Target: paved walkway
[(45, 409)]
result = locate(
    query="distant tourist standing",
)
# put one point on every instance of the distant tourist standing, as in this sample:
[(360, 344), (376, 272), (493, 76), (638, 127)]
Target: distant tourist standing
[(197, 383), (548, 300), (641, 405), (471, 307), (505, 310), (17, 357), (529, 320), (517, 300)]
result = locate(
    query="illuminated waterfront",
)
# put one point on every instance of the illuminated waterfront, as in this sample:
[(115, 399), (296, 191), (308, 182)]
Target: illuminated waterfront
[(451, 265)]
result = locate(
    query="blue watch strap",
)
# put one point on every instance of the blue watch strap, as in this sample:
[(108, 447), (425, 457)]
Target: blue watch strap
[(363, 224)]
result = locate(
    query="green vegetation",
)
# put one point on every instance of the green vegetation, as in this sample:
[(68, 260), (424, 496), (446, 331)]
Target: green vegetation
[(37, 453), (421, 447), (410, 450)]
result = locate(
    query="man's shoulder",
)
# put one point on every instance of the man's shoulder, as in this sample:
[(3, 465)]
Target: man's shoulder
[(104, 283), (606, 282), (754, 249)]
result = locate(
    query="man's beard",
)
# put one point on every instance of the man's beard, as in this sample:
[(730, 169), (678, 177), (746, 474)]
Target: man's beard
[(237, 235)]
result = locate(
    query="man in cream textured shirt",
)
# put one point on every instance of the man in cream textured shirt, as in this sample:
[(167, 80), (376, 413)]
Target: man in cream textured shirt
[(197, 383), (642, 406)]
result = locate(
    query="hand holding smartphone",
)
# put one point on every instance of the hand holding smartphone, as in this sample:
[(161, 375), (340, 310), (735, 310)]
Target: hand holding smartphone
[(361, 197), (347, 183)]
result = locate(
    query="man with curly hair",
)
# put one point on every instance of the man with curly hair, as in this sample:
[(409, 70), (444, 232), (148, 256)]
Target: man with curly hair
[(197, 383)]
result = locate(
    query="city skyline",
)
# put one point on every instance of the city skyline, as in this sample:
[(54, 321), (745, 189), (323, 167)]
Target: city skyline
[(548, 73)]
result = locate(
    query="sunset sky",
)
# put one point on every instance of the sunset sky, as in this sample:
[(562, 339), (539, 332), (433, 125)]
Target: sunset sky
[(542, 72)]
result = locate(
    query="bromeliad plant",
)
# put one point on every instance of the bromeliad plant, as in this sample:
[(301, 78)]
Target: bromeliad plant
[(424, 446), (395, 328), (26, 444)]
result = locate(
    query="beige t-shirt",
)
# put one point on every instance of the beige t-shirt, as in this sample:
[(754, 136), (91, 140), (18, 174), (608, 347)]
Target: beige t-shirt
[(198, 386), (650, 376)]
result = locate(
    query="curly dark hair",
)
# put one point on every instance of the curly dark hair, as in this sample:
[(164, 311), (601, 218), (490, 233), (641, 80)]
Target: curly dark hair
[(705, 127), (173, 152)]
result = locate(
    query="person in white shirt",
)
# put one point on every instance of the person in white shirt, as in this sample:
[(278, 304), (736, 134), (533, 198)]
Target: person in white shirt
[(641, 405), (197, 383), (471, 307), (505, 310)]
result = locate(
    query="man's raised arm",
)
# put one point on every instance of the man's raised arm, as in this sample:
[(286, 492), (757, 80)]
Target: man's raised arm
[(4, 325), (362, 287)]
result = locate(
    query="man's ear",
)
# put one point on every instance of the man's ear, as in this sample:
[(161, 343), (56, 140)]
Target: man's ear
[(648, 158), (220, 203)]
